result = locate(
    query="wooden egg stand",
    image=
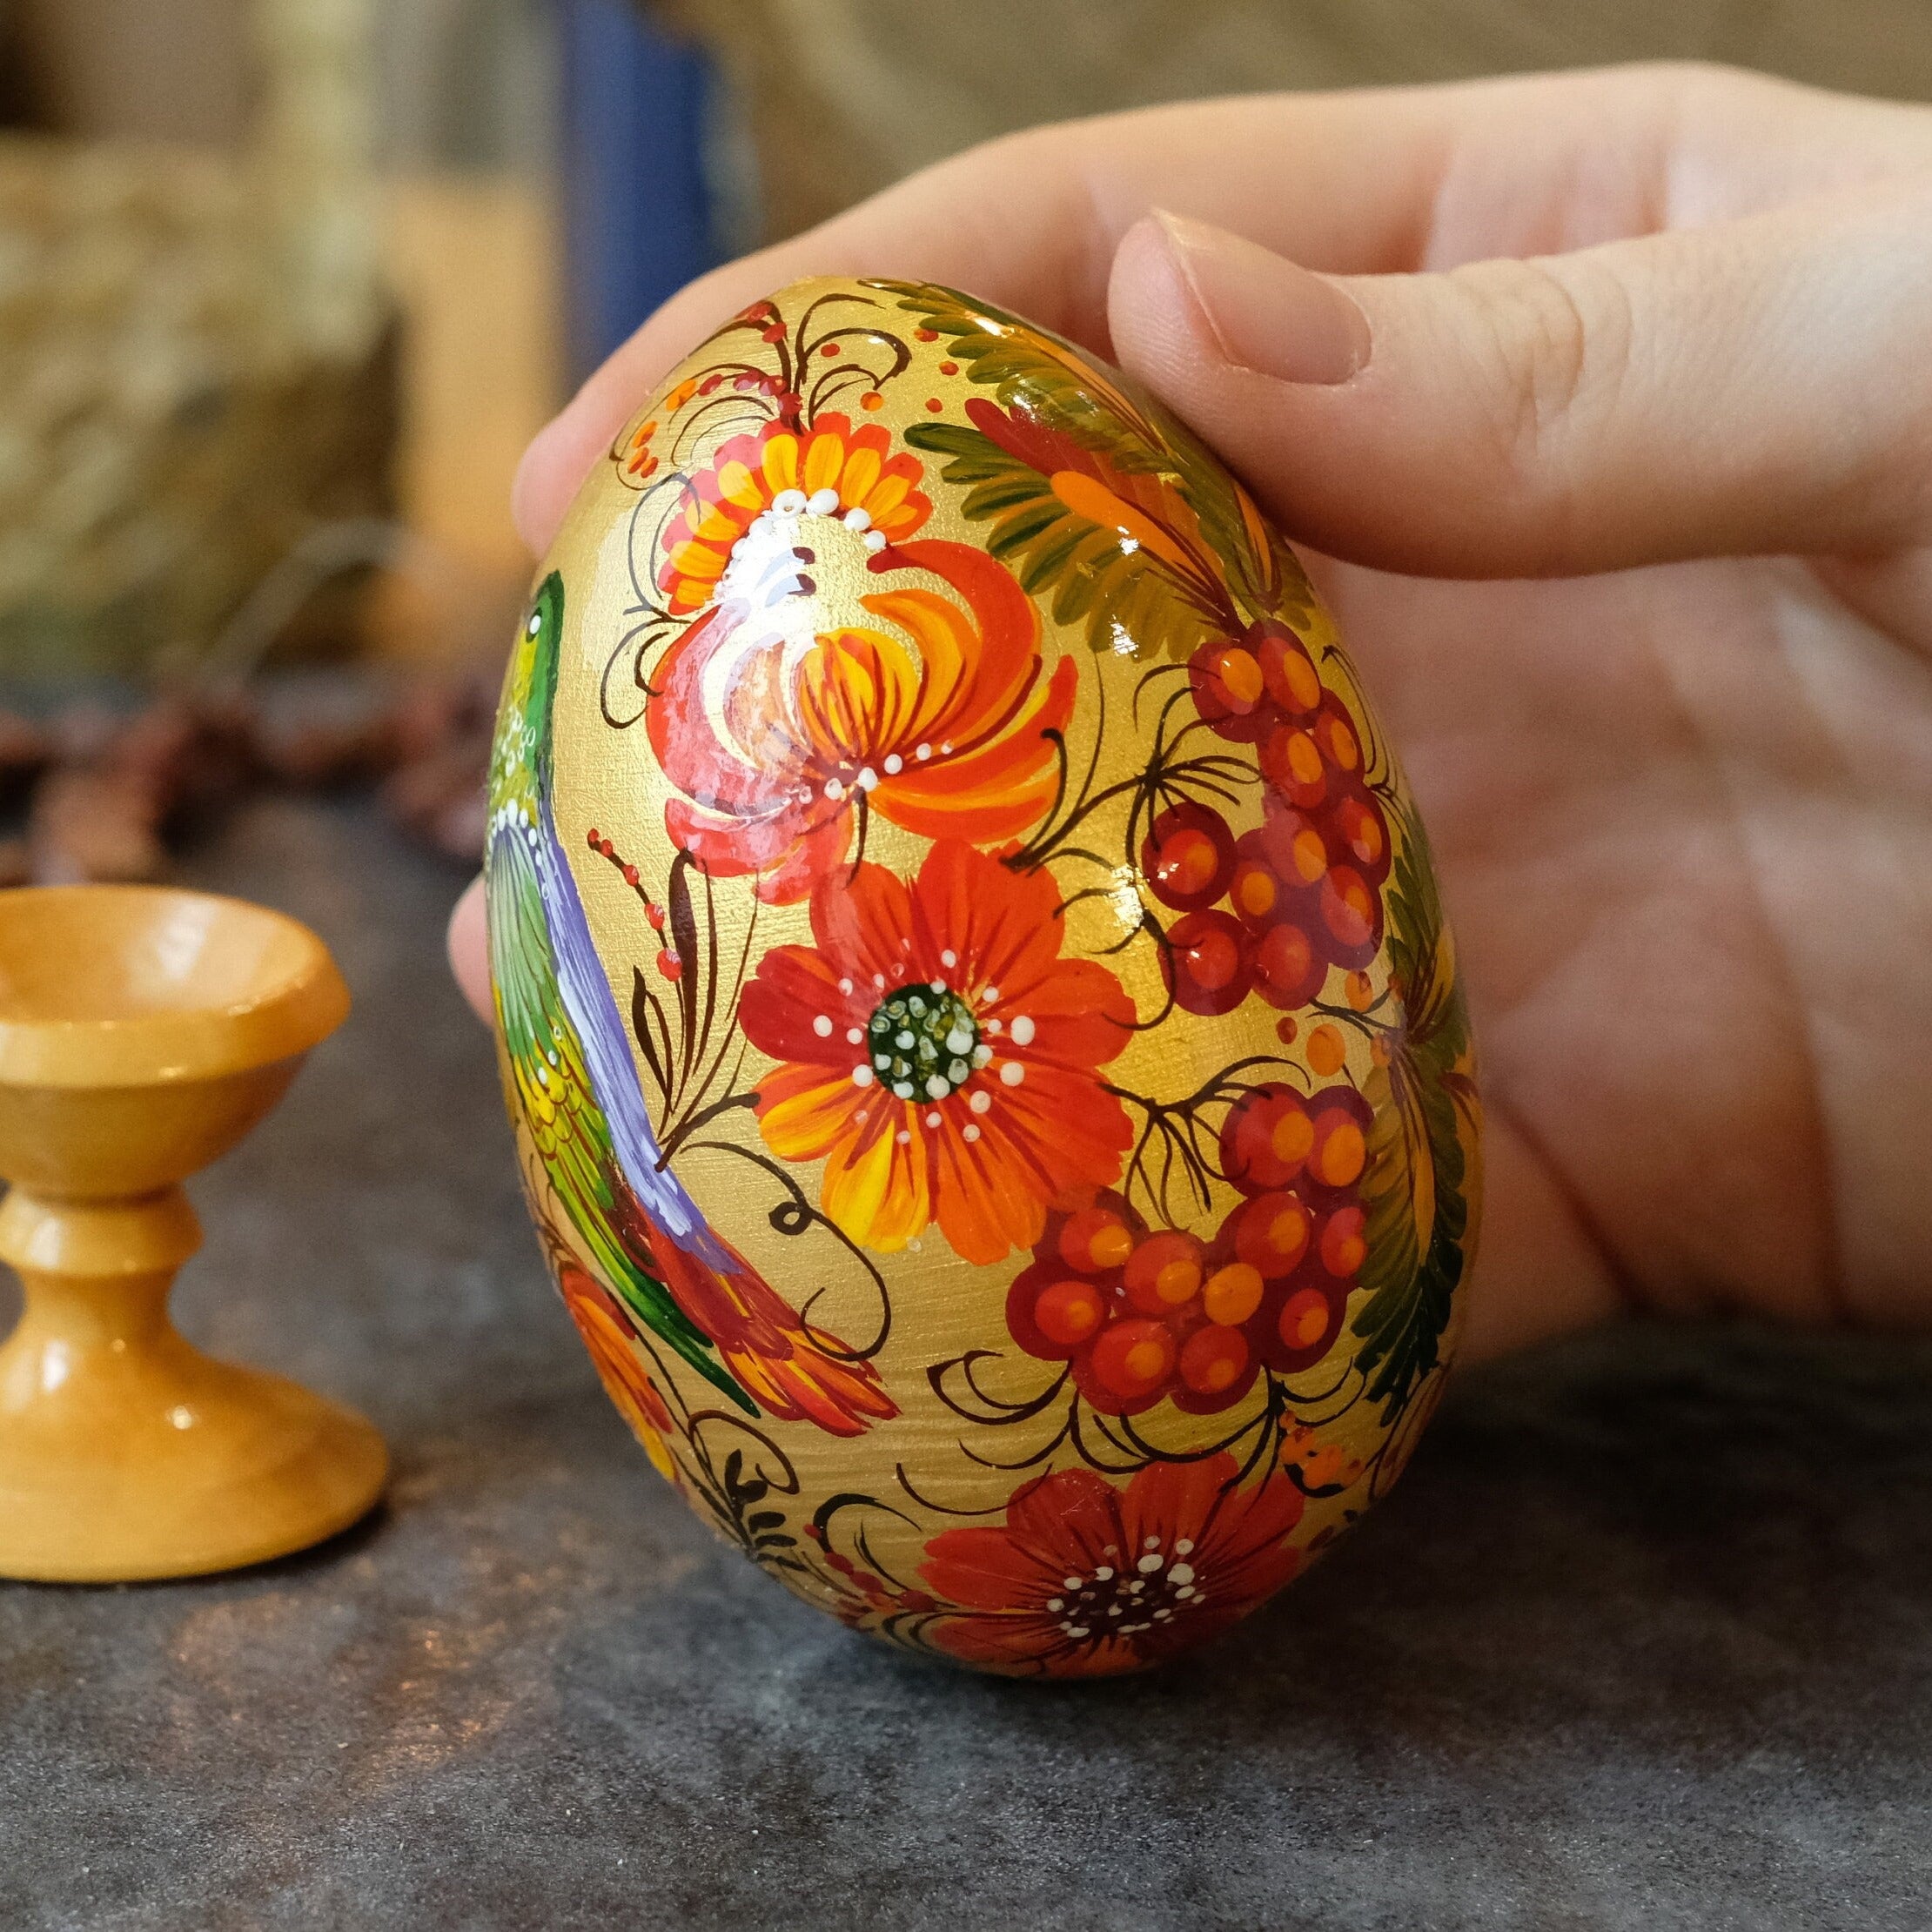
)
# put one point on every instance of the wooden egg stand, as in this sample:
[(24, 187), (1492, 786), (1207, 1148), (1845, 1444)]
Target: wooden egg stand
[(144, 1031)]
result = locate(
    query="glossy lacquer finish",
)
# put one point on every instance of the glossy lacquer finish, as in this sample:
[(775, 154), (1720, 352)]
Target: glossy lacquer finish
[(986, 1051), (143, 1033)]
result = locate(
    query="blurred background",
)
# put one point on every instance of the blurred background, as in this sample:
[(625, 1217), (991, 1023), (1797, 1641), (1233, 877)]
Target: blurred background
[(287, 284)]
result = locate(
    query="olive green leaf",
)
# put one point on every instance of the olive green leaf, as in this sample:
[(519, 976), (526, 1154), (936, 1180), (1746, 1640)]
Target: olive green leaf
[(1117, 550), (1067, 411), (1417, 1186)]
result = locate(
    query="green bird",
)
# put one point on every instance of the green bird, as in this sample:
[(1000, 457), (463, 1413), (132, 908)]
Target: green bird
[(568, 1072)]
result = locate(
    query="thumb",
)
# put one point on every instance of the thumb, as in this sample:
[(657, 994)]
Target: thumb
[(1762, 386)]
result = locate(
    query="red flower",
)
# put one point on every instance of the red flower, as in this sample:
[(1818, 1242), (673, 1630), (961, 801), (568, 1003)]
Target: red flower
[(939, 1055), (783, 709), (1087, 1581)]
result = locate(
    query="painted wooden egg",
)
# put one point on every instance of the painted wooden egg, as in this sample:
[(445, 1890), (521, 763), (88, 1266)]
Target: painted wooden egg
[(986, 1054)]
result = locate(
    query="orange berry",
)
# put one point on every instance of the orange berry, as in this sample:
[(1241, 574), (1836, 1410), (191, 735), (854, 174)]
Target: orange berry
[(1326, 1049), (1359, 991), (1232, 1294), (1239, 676), (1293, 1137), (1255, 890)]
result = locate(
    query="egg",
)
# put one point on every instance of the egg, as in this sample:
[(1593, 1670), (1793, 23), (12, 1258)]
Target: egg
[(986, 1056)]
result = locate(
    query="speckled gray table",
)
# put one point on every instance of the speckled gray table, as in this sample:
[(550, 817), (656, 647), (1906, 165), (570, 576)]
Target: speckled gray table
[(1645, 1640)]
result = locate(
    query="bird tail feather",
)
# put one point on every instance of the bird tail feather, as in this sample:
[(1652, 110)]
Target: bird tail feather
[(795, 1370)]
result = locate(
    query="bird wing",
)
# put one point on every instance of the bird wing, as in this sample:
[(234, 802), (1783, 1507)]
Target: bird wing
[(553, 1090)]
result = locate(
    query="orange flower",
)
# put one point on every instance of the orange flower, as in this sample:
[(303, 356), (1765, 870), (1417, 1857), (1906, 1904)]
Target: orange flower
[(932, 714), (831, 469), (939, 1055), (613, 1351)]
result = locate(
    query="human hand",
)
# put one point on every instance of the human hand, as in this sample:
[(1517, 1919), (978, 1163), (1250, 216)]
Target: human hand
[(1629, 376)]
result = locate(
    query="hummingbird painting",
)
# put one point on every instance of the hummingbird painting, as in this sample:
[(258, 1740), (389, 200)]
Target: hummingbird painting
[(568, 1071)]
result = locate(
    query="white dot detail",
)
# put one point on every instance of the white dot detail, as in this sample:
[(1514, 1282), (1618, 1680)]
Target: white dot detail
[(1023, 1031), (822, 1027)]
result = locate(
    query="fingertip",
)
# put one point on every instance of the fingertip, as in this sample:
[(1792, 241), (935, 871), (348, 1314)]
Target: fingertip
[(469, 949), (552, 471)]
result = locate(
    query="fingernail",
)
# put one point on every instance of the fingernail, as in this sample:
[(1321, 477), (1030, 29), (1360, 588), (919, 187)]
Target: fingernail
[(1265, 313)]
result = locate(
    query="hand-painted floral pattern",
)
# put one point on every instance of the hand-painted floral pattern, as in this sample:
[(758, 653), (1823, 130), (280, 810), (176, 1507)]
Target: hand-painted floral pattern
[(939, 1055), (830, 470), (1034, 1145), (931, 715), (613, 1345), (1084, 1579)]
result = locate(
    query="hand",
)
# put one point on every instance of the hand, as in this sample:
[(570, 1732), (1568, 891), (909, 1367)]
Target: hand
[(1644, 359)]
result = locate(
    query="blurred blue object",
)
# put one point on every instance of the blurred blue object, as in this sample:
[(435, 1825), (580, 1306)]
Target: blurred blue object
[(637, 217)]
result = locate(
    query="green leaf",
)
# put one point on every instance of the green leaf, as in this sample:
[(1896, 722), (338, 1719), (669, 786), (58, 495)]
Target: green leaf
[(1055, 385), (1419, 1145), (1165, 606)]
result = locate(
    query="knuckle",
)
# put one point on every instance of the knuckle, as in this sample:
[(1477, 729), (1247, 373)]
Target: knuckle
[(1557, 336)]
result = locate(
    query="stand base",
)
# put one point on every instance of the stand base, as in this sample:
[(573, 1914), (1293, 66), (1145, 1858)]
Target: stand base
[(173, 1464)]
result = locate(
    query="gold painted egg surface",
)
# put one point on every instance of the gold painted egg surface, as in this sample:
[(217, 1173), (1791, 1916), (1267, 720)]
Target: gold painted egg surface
[(985, 1051)]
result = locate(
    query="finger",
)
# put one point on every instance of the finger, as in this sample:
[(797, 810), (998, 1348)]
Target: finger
[(469, 949), (1357, 183), (1762, 386)]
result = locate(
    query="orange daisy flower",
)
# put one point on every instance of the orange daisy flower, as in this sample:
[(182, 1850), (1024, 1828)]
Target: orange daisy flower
[(612, 1348), (938, 1054), (933, 714), (831, 470)]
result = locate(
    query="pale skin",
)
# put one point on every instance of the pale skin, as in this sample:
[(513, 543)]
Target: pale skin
[(1605, 403)]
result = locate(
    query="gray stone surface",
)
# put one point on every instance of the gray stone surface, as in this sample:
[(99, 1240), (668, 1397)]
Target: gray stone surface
[(1645, 1640)]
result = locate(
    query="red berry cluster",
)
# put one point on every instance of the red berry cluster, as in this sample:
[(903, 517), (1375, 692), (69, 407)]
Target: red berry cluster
[(1303, 889), (1142, 1314)]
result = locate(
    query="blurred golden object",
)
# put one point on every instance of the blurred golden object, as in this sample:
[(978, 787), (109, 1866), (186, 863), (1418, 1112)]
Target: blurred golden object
[(143, 1033), (197, 359)]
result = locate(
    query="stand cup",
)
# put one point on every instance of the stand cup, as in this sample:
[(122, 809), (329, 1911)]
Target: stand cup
[(144, 1031)]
